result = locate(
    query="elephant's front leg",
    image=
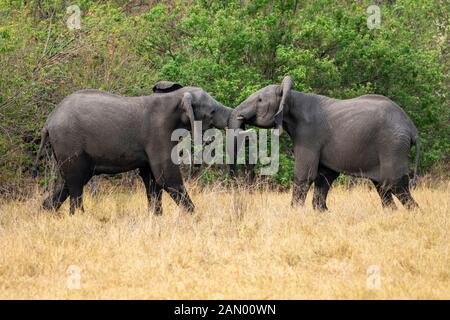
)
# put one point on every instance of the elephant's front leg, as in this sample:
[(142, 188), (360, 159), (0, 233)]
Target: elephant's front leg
[(154, 195), (305, 172), (322, 184), (300, 191), (181, 197), (168, 175), (153, 190)]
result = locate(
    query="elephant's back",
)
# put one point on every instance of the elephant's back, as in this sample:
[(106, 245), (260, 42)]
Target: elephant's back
[(94, 121), (392, 114), (370, 109), (90, 104)]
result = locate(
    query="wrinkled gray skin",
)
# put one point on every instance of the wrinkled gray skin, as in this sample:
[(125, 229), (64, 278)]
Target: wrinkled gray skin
[(369, 136), (93, 132)]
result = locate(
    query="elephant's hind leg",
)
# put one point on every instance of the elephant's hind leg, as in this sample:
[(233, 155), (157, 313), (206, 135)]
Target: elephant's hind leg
[(76, 193), (322, 185), (394, 171), (54, 201), (387, 201), (400, 189), (77, 172), (154, 191)]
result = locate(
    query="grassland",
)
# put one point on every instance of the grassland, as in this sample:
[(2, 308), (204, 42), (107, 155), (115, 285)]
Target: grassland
[(238, 244)]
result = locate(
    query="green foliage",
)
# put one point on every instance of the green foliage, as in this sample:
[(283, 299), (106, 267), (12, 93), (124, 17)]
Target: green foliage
[(233, 50), (230, 48)]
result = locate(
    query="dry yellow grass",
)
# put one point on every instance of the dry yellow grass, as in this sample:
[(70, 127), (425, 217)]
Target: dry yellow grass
[(237, 245)]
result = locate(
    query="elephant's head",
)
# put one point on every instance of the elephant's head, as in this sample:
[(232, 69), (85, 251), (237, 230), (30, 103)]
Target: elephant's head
[(197, 105), (264, 108)]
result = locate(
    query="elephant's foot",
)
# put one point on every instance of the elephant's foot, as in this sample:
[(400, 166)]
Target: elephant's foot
[(157, 210), (401, 190), (48, 205), (189, 207), (299, 192), (389, 206), (54, 201), (411, 204), (319, 202), (322, 207), (297, 203), (181, 197)]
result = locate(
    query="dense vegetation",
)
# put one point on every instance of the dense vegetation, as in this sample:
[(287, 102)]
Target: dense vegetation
[(230, 48)]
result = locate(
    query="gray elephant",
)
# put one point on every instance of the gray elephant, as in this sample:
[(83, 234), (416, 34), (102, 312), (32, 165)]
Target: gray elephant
[(369, 136), (93, 132)]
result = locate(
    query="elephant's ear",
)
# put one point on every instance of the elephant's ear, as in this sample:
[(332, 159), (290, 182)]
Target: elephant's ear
[(286, 86), (166, 86), (186, 105)]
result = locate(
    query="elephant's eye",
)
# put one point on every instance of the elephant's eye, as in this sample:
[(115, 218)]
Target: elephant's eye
[(259, 100)]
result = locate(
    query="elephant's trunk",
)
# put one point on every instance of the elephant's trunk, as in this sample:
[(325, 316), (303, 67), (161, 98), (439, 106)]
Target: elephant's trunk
[(241, 115), (235, 122), (222, 116)]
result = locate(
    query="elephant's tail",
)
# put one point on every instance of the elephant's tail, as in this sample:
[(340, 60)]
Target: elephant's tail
[(44, 137), (415, 141)]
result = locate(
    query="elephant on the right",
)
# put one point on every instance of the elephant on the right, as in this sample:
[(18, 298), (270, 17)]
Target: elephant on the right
[(368, 136)]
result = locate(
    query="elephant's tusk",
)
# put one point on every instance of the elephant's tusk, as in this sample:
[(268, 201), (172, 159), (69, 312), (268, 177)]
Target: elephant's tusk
[(246, 131), (278, 131), (240, 118)]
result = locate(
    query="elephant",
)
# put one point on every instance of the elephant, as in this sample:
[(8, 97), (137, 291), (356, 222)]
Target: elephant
[(93, 132), (369, 136)]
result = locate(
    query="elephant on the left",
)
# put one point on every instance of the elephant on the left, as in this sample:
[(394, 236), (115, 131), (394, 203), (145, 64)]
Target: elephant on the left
[(93, 132)]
